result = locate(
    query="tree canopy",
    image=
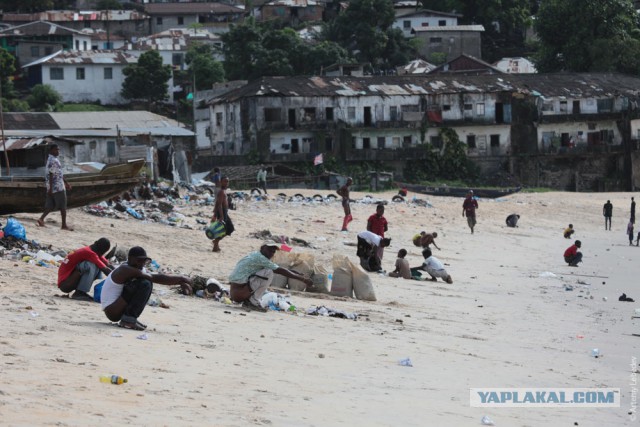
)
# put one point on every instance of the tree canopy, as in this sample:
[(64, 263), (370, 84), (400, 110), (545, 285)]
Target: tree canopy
[(31, 6), (203, 68), (587, 35), (253, 50), (147, 79)]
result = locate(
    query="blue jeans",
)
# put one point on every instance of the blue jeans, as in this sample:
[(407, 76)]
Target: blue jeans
[(90, 272)]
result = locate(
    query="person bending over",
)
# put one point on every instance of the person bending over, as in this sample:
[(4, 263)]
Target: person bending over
[(81, 267), (434, 267)]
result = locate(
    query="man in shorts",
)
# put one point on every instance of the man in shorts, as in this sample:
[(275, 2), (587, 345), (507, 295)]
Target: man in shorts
[(57, 188), (344, 193), (469, 207)]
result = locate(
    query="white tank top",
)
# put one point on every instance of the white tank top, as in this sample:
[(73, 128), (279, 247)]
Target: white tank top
[(111, 291)]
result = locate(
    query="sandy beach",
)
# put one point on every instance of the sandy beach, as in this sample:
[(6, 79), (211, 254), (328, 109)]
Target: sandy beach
[(500, 324)]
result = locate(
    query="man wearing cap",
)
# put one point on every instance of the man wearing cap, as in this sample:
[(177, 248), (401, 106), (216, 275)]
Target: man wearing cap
[(57, 188), (127, 289), (469, 207), (81, 267), (253, 274)]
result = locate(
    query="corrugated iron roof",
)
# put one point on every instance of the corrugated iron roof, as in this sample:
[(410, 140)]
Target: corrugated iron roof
[(72, 15), (70, 57), (177, 39), (27, 143), (574, 85), (448, 28), (39, 28), (24, 121), (186, 8), (292, 3)]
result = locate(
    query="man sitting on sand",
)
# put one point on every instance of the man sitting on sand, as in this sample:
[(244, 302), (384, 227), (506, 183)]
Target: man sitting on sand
[(572, 256), (127, 289), (434, 267), (368, 244), (402, 266), (512, 220), (81, 267), (253, 274), (425, 239)]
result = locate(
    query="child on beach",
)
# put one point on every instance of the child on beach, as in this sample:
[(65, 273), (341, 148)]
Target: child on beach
[(402, 266), (569, 231), (630, 232)]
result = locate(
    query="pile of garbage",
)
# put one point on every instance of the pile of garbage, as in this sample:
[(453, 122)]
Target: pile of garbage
[(266, 235)]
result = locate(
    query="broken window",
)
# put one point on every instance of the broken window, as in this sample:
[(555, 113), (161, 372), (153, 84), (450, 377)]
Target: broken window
[(406, 141), (548, 106), (309, 114), (328, 113), (471, 141), (271, 115), (495, 140)]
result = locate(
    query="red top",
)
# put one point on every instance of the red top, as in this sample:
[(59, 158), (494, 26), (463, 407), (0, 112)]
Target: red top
[(377, 224), (470, 205), (76, 257), (571, 251)]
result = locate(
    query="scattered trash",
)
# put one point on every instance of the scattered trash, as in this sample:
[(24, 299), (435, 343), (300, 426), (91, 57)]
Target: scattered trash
[(486, 421), (624, 297), (605, 299), (112, 379), (406, 362), (330, 312), (34, 313), (143, 337), (595, 353), (568, 287), (116, 335), (547, 274)]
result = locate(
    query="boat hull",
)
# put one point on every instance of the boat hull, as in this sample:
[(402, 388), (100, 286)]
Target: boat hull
[(27, 194), (458, 191)]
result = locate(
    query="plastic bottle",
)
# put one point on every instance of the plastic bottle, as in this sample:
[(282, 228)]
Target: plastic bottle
[(113, 379)]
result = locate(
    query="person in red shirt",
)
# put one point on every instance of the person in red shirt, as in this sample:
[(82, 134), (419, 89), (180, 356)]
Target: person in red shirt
[(377, 224), (469, 207), (81, 267), (572, 256)]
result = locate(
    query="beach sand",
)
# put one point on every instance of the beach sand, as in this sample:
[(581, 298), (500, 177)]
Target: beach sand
[(500, 324)]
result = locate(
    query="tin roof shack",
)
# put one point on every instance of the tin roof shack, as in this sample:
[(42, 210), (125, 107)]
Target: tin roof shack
[(32, 41), (292, 12), (28, 155), (215, 17), (450, 41), (83, 76), (406, 21), (114, 136), (501, 118), (123, 23)]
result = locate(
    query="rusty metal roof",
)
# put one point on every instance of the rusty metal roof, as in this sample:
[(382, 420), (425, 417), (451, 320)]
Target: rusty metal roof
[(25, 121), (72, 15), (72, 57), (570, 85), (292, 3), (190, 8), (178, 39), (14, 143), (39, 28)]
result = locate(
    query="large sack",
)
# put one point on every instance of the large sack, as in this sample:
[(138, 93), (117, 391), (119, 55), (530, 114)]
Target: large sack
[(320, 279), (362, 286), (300, 266), (342, 283), (283, 259)]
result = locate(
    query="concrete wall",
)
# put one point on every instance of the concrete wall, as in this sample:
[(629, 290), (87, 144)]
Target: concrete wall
[(406, 23), (452, 43), (291, 14), (549, 135), (93, 87)]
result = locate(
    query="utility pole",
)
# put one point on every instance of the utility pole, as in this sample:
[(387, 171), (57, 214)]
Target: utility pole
[(4, 147)]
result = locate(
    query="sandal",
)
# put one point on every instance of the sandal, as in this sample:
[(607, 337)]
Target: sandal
[(135, 326)]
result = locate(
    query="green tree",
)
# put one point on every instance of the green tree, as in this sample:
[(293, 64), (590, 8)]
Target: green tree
[(242, 47), (30, 6), (147, 79), (586, 35), (364, 29), (44, 98), (7, 70), (108, 5), (203, 67)]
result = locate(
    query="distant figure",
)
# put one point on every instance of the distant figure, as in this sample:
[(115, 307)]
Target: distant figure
[(607, 211), (344, 193), (127, 289), (377, 224), (512, 220), (638, 239), (633, 211), (253, 274), (81, 267), (469, 207), (572, 256), (425, 239), (434, 267), (221, 212), (217, 176), (262, 179), (630, 232), (57, 188), (568, 231), (402, 266), (368, 244)]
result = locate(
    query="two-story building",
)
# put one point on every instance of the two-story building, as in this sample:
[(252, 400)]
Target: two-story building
[(424, 18), (449, 41), (215, 17), (499, 117)]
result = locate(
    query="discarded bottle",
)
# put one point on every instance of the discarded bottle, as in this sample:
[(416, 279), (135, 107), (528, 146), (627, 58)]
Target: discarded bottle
[(595, 353), (113, 379), (486, 421)]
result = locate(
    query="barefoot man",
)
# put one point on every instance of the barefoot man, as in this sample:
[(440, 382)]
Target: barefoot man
[(344, 192), (57, 188), (221, 212)]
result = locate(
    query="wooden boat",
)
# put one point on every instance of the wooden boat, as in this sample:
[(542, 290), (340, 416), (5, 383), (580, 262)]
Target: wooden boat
[(26, 194), (487, 193)]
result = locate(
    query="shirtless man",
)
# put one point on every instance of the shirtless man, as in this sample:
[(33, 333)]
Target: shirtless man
[(344, 192), (425, 239), (221, 212)]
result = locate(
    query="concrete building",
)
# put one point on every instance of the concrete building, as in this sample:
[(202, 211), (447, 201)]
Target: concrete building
[(449, 41), (215, 17), (291, 12), (424, 18)]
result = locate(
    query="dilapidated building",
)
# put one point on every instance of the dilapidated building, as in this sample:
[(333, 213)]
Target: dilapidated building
[(507, 121)]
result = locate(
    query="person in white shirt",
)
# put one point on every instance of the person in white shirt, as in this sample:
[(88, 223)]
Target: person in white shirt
[(434, 267), (368, 244)]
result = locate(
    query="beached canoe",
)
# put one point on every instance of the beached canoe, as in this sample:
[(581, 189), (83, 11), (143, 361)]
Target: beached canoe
[(26, 194), (459, 191)]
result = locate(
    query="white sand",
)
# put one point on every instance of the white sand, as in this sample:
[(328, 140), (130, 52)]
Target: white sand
[(204, 363)]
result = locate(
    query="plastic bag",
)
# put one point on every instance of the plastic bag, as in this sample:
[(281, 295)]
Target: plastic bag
[(97, 291), (15, 229), (215, 230)]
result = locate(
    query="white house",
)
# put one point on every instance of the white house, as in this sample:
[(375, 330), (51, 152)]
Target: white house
[(424, 18), (83, 76), (515, 65)]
